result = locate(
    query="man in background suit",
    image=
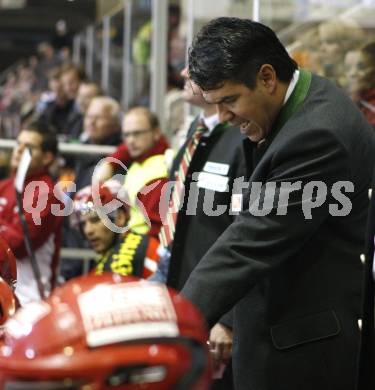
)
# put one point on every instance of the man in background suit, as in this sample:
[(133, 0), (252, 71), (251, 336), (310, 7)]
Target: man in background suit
[(215, 164), (289, 264)]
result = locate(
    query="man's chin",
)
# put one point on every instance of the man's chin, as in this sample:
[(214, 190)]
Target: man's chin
[(97, 249)]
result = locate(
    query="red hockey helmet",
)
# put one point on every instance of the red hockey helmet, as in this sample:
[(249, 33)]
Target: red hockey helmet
[(106, 332), (90, 198)]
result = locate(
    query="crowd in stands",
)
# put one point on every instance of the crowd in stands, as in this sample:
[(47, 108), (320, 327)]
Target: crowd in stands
[(49, 93), (344, 52)]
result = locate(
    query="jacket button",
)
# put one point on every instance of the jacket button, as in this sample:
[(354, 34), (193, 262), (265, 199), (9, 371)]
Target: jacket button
[(369, 193), (363, 258)]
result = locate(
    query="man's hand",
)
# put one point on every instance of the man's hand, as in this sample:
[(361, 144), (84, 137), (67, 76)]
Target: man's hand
[(220, 344)]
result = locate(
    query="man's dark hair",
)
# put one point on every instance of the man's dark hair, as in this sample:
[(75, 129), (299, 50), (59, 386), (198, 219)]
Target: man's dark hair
[(48, 133), (234, 49)]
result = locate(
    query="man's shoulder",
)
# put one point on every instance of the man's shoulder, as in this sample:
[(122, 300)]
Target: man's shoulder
[(328, 99), (327, 108)]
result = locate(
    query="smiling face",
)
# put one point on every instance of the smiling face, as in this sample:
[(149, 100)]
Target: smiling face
[(253, 110)]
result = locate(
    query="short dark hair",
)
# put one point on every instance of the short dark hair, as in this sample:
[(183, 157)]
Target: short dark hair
[(234, 49), (48, 133)]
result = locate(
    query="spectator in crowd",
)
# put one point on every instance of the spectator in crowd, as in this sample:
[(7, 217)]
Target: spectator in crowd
[(53, 93), (145, 152), (71, 78), (7, 90), (306, 51), (86, 92), (289, 264), (55, 107), (45, 233), (123, 252), (48, 59), (336, 38), (360, 79), (103, 127), (148, 171), (18, 96)]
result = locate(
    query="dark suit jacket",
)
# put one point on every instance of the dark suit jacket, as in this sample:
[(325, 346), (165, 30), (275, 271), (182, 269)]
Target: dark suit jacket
[(197, 230), (366, 373), (296, 281)]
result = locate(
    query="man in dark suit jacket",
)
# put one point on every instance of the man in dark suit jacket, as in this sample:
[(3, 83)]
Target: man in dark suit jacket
[(366, 374), (290, 262), (219, 156), (205, 211)]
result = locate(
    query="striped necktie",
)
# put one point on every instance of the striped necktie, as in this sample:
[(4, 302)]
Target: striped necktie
[(168, 229)]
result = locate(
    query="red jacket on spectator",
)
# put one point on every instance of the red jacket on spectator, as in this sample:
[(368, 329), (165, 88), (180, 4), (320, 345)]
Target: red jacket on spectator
[(150, 200)]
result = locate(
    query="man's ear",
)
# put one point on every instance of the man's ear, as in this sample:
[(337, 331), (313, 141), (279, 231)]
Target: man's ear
[(267, 77), (48, 158)]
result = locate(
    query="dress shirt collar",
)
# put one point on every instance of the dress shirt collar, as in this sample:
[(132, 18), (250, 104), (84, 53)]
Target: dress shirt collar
[(292, 85), (210, 121)]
